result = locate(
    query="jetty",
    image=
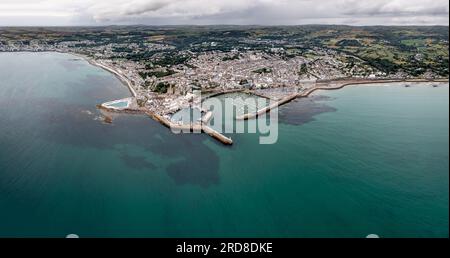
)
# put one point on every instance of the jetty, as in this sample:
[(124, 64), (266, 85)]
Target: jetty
[(324, 85), (129, 105), (207, 117), (193, 127), (268, 108)]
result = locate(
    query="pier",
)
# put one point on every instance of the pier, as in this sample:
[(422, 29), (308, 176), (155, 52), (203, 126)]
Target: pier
[(201, 126), (268, 108), (323, 85), (128, 105), (207, 117), (193, 127)]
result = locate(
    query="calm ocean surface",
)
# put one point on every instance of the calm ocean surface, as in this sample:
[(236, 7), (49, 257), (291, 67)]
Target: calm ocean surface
[(348, 163)]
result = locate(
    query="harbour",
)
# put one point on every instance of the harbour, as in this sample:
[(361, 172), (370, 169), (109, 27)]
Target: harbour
[(201, 126), (377, 164), (335, 85)]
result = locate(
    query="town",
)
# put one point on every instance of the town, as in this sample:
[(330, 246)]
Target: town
[(164, 67)]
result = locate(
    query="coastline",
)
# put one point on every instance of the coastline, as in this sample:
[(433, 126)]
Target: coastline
[(60, 158), (91, 61), (120, 76), (323, 86), (202, 127), (382, 82), (198, 127)]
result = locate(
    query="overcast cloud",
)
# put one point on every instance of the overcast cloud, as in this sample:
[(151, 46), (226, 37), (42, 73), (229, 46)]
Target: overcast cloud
[(201, 12)]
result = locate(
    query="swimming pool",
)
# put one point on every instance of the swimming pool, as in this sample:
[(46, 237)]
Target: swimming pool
[(121, 104)]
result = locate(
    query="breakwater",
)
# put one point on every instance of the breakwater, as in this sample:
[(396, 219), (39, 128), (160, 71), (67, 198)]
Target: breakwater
[(198, 127), (193, 127), (325, 85)]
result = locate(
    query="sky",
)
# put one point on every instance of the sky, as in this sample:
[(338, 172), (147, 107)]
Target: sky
[(211, 12)]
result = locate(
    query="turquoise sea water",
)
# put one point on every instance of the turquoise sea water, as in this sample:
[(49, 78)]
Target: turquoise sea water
[(348, 163)]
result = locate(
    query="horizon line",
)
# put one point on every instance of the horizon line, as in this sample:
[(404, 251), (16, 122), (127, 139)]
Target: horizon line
[(232, 25)]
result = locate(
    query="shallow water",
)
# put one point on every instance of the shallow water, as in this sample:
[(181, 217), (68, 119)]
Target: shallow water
[(122, 104), (187, 116), (377, 164)]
